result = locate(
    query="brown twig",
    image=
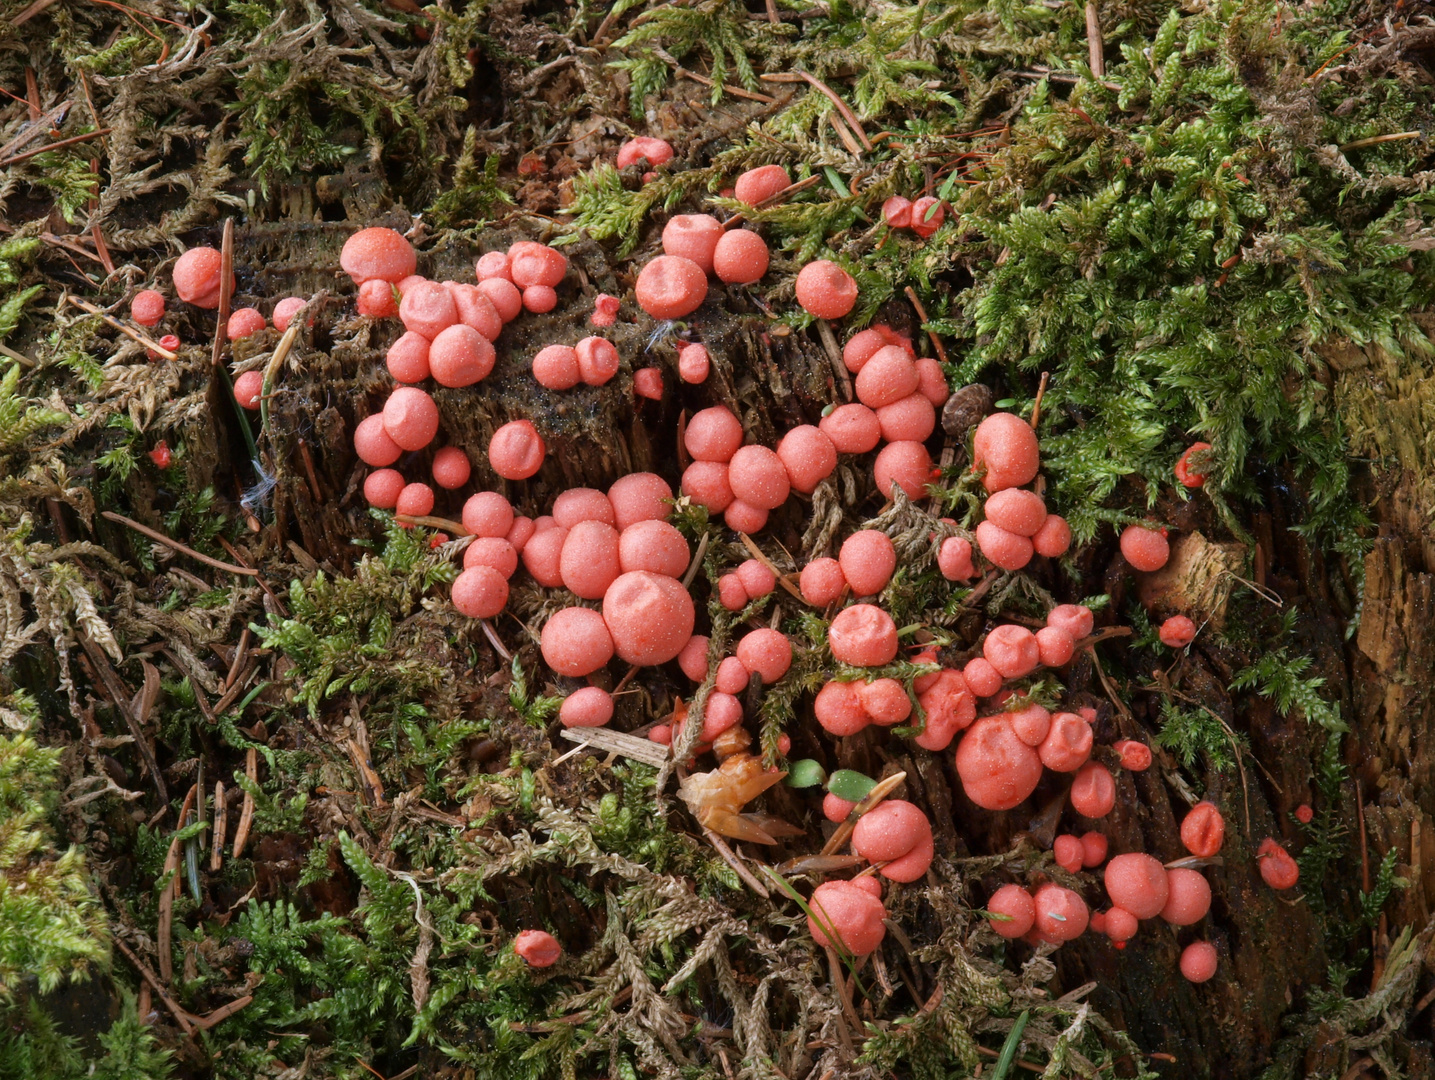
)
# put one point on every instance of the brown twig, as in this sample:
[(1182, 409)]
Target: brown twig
[(697, 562), (1096, 46), (246, 812), (310, 472), (224, 1012), (221, 827), (832, 95), (181, 1017), (70, 245), (15, 159), (160, 537), (145, 340), (240, 652), (721, 847), (845, 134), (834, 357), (839, 983), (922, 315), (735, 91), (1040, 393), (226, 282), (493, 639), (120, 699), (428, 521), (167, 897), (1376, 140)]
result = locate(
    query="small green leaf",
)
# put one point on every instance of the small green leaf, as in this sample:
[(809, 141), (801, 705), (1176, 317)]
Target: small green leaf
[(1009, 1049), (836, 182), (805, 774), (850, 785)]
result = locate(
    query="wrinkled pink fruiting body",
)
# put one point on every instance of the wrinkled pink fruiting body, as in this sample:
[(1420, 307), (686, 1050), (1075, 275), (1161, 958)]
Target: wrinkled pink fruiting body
[(1007, 446), (410, 418), (650, 617), (863, 635), (670, 287), (516, 450)]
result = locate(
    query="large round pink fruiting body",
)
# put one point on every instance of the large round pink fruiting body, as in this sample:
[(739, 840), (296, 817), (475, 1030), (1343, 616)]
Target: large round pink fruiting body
[(536, 264), (408, 358), (1199, 962), (758, 477), (244, 322), (1145, 549), (556, 367), (998, 771), (1016, 510), (1177, 632), (460, 356), (382, 488), (1138, 883), (373, 444), (694, 364), (851, 913), (863, 635), (589, 561), (954, 559), (868, 560), (516, 450), (906, 464), (982, 677), (588, 707), (808, 455), (1056, 645), (1075, 619), (410, 418), (888, 376), (575, 642), (583, 504), (504, 296), (693, 236), (487, 513), (757, 580), (885, 701), (428, 308), (1203, 830), (650, 617), (1017, 905), (378, 254), (743, 517), (543, 554), (1188, 899), (826, 290), (598, 360), (853, 428), (890, 830), (476, 310), (286, 309), (480, 592), (248, 388), (1061, 915), (670, 287), (740, 257), (1012, 650), (196, 277), (912, 419), (492, 264), (1007, 446), (416, 500), (1093, 792), (822, 581), (705, 482), (147, 307), (642, 496), (450, 468), (713, 434), (760, 184), (491, 551), (693, 658), (648, 383), (540, 299), (766, 652), (838, 708), (1004, 549), (1067, 745)]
